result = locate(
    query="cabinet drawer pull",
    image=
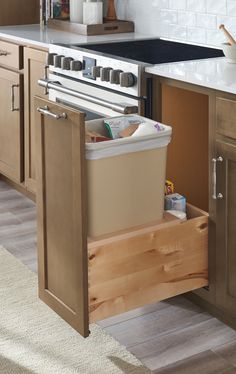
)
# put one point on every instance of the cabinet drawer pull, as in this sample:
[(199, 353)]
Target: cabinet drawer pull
[(13, 86), (216, 196), (46, 112), (4, 53)]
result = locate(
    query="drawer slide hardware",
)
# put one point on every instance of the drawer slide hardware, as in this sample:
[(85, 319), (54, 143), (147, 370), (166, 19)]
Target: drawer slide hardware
[(215, 195), (46, 112), (13, 86)]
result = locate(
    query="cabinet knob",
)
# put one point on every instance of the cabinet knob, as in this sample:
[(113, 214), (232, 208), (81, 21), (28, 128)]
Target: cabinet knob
[(115, 76), (65, 63), (127, 79), (57, 61), (105, 74), (76, 65)]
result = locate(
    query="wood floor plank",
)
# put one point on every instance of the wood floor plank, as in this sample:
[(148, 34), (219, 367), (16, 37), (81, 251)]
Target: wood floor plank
[(228, 352), (157, 324), (180, 344), (147, 309), (18, 225), (229, 371), (161, 334), (206, 362)]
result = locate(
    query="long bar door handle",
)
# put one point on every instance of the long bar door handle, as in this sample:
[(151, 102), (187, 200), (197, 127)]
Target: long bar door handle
[(120, 108), (46, 112), (215, 195), (13, 86)]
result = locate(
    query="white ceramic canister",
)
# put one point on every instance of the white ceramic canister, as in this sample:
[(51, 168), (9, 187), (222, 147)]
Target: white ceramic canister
[(92, 12), (76, 11)]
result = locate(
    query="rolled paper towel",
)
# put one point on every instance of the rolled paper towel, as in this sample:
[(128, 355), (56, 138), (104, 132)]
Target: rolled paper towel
[(147, 128)]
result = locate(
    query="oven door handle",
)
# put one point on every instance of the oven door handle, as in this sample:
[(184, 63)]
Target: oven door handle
[(124, 109)]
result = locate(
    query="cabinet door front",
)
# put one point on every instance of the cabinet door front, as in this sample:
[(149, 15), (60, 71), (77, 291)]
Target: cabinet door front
[(226, 226), (11, 125), (34, 62), (61, 212)]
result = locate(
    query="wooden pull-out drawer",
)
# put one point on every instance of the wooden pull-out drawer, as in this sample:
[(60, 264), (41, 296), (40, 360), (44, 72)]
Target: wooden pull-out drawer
[(129, 270), (85, 282), (11, 55), (226, 117)]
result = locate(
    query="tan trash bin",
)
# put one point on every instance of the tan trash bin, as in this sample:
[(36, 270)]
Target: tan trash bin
[(125, 180)]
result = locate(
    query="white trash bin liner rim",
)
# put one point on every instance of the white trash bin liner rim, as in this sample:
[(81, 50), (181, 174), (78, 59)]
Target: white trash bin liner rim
[(117, 147)]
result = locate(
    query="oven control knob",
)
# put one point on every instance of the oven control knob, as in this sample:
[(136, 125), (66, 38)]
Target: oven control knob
[(76, 65), (115, 76), (50, 58), (105, 74), (127, 80), (57, 61), (65, 63), (96, 71)]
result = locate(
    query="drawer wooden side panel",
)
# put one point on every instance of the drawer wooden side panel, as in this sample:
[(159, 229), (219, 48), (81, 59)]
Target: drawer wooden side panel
[(143, 269), (11, 55), (226, 117)]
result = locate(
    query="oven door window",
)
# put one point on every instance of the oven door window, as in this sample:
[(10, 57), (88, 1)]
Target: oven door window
[(89, 115)]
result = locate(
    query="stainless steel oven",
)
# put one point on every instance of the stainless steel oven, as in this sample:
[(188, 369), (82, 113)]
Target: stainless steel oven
[(94, 83), (95, 101)]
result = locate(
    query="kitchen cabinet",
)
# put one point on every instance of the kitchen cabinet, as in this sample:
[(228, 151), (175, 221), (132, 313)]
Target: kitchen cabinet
[(202, 164), (88, 279), (11, 55), (11, 125), (226, 204), (226, 225), (15, 12), (35, 64)]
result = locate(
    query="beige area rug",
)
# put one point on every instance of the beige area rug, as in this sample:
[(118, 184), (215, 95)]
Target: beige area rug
[(33, 339)]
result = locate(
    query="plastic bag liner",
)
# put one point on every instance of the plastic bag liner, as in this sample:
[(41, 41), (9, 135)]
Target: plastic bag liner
[(116, 147)]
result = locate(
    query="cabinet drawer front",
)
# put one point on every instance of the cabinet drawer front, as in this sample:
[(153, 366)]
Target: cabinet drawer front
[(11, 55), (226, 117), (140, 269)]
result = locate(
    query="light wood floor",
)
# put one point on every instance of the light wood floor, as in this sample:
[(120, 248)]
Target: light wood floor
[(171, 337)]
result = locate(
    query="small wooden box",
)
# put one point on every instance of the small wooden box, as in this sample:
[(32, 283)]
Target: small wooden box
[(102, 29)]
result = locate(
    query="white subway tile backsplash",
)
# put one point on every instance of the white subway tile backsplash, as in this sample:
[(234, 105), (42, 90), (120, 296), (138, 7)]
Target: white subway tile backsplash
[(196, 5), (216, 6), (196, 35), (177, 32), (207, 21), (160, 4), (189, 20), (168, 16), (214, 37), (177, 4), (231, 8)]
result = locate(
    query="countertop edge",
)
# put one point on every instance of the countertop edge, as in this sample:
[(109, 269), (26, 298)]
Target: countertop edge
[(224, 77)]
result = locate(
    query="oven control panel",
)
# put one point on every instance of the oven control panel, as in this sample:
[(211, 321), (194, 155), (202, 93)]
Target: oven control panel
[(103, 71)]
